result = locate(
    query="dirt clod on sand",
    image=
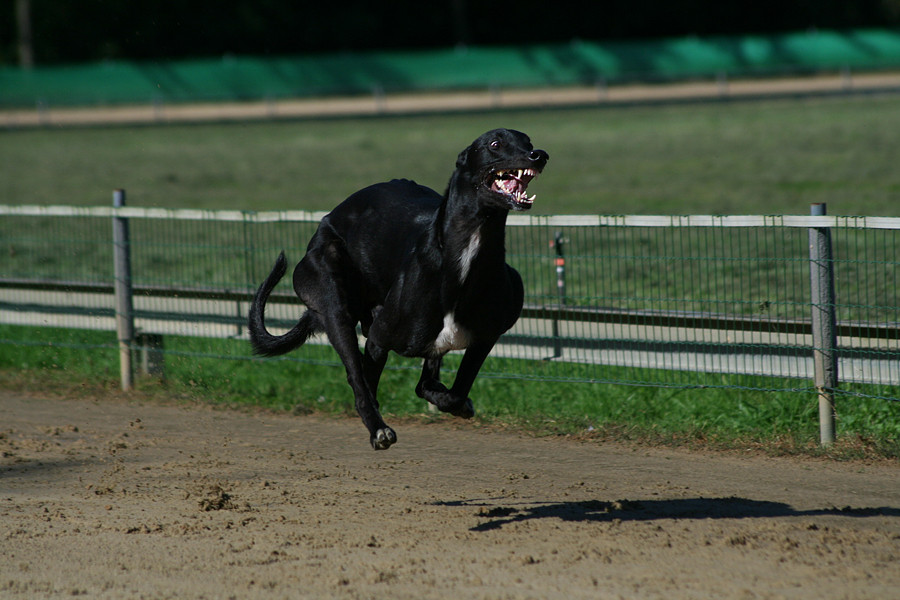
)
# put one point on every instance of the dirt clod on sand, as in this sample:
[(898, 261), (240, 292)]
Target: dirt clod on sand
[(106, 499), (217, 498)]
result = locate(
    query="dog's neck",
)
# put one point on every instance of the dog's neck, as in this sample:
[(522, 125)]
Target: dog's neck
[(471, 235)]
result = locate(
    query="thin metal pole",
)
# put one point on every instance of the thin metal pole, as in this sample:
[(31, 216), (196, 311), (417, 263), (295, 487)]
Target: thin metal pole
[(824, 323), (557, 243), (123, 290)]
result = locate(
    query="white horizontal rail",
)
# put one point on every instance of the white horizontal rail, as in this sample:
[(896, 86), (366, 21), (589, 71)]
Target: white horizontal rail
[(207, 318), (515, 220), (179, 214), (706, 221)]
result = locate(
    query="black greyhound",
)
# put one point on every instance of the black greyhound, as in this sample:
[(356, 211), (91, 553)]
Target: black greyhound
[(421, 273)]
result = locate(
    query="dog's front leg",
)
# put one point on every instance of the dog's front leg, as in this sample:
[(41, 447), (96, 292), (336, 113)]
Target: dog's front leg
[(455, 400), (465, 377), (432, 390)]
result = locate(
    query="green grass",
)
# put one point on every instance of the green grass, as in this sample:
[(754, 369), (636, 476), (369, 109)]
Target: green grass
[(217, 371), (770, 157)]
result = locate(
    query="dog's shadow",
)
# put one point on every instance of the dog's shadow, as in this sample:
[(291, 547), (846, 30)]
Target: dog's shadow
[(496, 516)]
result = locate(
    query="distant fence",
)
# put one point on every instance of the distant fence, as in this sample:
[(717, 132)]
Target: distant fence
[(579, 63), (752, 302)]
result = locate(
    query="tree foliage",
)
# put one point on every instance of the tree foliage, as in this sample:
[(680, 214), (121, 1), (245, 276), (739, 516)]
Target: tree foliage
[(66, 31)]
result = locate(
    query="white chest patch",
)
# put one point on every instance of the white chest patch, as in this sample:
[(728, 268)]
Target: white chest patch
[(451, 337), (468, 255)]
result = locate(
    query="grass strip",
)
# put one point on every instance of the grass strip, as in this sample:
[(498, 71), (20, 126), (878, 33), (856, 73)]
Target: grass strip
[(723, 415)]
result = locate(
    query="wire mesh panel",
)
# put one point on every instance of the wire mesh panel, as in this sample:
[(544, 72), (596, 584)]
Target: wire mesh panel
[(75, 250), (666, 305), (866, 275), (195, 276)]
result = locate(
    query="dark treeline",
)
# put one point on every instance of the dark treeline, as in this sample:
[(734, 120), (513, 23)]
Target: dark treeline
[(64, 31)]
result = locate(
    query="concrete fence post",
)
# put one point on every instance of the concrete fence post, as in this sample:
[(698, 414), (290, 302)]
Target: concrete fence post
[(153, 363), (123, 292), (824, 323)]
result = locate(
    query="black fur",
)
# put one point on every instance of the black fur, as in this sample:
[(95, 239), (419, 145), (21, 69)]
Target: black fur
[(421, 273)]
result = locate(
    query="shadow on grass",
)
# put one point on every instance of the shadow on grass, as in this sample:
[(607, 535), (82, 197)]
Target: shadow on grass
[(496, 516)]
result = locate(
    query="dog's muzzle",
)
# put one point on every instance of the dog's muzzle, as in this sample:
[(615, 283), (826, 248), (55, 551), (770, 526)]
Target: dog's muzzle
[(513, 183)]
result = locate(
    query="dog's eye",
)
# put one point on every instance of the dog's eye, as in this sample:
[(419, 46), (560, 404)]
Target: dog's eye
[(495, 144)]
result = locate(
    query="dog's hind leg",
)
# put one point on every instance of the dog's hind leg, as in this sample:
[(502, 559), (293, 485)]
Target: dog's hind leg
[(363, 371), (374, 359), (361, 375), (320, 280)]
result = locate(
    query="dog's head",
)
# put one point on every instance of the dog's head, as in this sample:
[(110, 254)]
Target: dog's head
[(498, 166)]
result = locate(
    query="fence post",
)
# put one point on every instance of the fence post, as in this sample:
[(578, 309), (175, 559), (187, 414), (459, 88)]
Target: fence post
[(722, 81), (824, 323), (379, 95), (124, 301), (557, 242)]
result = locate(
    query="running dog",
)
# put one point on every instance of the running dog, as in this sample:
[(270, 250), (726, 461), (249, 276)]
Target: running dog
[(420, 273)]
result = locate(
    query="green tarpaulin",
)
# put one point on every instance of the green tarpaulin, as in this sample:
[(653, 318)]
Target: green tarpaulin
[(578, 62)]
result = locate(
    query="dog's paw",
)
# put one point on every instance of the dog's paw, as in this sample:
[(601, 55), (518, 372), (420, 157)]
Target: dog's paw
[(464, 410), (432, 391), (384, 438)]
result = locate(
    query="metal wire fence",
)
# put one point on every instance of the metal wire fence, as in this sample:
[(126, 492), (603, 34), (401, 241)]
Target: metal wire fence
[(692, 301)]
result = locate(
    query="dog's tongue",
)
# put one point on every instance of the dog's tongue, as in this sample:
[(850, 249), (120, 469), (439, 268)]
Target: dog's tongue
[(513, 187)]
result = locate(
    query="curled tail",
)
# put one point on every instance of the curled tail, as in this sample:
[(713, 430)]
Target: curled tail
[(264, 343)]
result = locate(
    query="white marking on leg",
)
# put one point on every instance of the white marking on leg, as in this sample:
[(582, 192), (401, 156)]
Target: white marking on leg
[(468, 255), (451, 337)]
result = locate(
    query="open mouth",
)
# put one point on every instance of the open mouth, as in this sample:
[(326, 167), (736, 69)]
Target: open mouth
[(514, 184)]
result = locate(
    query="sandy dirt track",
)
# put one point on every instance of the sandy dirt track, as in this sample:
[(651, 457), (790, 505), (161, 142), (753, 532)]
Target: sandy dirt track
[(437, 102), (109, 499)]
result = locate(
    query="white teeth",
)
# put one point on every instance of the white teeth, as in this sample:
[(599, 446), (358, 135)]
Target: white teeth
[(519, 173), (509, 181), (523, 198)]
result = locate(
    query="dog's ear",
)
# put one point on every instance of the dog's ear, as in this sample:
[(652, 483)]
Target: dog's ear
[(463, 158)]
